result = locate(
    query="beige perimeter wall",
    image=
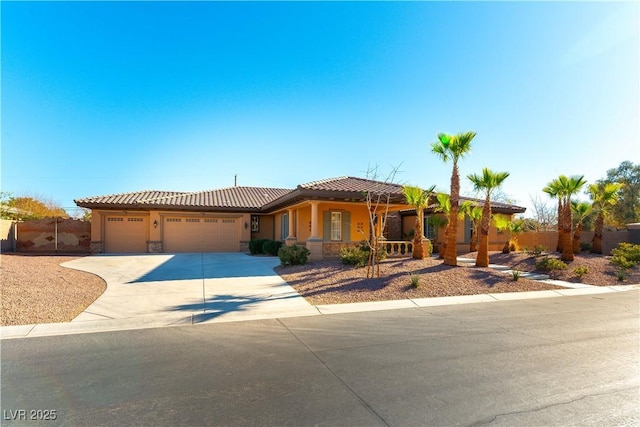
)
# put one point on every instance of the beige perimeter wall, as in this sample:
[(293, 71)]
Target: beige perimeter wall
[(549, 239), (7, 235), (41, 236)]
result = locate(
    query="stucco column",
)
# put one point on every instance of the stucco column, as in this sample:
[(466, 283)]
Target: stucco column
[(314, 220), (314, 242), (291, 238)]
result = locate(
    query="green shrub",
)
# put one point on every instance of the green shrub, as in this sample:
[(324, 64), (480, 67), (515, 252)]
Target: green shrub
[(515, 275), (538, 250), (354, 256), (621, 274), (381, 253), (580, 271), (256, 246), (550, 264), (626, 255), (415, 280), (271, 247), (585, 246), (293, 255)]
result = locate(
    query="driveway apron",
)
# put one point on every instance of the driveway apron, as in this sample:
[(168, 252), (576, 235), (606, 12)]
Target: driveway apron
[(189, 288)]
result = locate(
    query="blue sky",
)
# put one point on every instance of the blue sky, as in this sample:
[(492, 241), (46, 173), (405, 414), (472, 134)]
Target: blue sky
[(110, 97)]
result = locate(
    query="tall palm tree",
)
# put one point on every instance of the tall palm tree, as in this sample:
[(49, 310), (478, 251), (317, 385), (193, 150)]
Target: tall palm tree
[(604, 197), (419, 199), (581, 211), (568, 187), (452, 148), (486, 182), (553, 189)]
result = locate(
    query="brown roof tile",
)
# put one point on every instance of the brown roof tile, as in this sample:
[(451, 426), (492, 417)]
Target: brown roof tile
[(351, 184), (231, 197)]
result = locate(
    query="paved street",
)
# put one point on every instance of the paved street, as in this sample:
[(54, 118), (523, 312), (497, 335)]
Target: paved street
[(555, 361)]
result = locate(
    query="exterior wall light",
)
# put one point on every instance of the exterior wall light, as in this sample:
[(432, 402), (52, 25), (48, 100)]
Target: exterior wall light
[(155, 223)]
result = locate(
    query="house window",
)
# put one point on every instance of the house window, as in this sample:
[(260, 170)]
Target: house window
[(284, 226), (255, 223), (430, 232), (336, 225)]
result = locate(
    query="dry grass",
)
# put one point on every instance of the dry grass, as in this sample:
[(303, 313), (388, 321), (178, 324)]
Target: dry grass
[(36, 289), (331, 282)]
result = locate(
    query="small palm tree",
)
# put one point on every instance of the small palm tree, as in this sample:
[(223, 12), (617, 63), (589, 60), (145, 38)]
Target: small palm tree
[(486, 182), (581, 210), (419, 199), (474, 212), (553, 189), (604, 197), (569, 187), (452, 148)]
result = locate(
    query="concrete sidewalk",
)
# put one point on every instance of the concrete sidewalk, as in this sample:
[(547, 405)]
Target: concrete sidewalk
[(150, 291)]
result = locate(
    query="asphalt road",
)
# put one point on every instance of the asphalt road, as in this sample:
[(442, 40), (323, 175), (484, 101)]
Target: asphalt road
[(555, 361)]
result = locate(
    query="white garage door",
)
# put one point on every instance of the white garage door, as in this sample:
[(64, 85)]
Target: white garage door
[(185, 234), (123, 233)]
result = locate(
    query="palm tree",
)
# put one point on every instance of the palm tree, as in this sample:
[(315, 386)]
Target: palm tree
[(444, 206), (568, 187), (474, 212), (419, 199), (604, 197), (553, 190), (452, 148), (486, 182), (581, 211)]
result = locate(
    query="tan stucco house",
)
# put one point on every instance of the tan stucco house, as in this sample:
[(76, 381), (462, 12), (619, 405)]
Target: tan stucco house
[(323, 215)]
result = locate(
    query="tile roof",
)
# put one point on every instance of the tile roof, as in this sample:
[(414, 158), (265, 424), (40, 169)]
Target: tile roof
[(352, 184), (231, 197), (127, 198), (258, 198)]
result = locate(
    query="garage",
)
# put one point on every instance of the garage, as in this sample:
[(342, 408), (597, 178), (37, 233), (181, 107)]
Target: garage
[(203, 234), (126, 233)]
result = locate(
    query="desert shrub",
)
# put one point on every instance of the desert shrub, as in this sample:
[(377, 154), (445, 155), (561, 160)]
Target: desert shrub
[(293, 255), (382, 251), (538, 250), (271, 247), (256, 246), (621, 274), (585, 246), (354, 256), (550, 264), (515, 275), (580, 271), (626, 255), (415, 280)]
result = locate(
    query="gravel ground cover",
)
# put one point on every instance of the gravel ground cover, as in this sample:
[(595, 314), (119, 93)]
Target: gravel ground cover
[(600, 271), (36, 289), (331, 282)]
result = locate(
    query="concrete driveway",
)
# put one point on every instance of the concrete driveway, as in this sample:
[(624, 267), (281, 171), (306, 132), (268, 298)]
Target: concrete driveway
[(166, 289)]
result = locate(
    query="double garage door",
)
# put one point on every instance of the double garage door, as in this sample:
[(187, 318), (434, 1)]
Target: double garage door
[(128, 233), (184, 234)]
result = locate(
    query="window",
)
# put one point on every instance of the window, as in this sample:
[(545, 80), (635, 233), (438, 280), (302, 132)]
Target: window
[(255, 223), (430, 231), (336, 225)]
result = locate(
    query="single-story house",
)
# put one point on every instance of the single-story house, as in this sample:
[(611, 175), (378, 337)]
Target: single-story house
[(323, 215)]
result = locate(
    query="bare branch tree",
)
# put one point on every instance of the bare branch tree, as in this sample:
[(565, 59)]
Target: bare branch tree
[(544, 214), (377, 197)]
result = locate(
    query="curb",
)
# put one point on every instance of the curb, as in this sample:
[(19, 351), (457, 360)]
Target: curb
[(113, 325)]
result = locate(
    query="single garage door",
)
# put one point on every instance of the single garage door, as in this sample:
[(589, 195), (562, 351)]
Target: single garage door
[(124, 233), (184, 234)]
